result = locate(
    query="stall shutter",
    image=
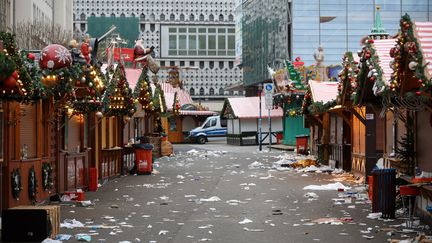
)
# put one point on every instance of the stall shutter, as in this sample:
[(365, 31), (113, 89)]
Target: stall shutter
[(28, 130), (74, 131)]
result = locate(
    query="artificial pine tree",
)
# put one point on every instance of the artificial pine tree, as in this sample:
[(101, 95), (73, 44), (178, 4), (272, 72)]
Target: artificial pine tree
[(406, 150), (143, 91)]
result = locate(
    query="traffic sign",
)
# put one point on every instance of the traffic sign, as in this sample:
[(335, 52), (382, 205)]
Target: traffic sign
[(268, 94)]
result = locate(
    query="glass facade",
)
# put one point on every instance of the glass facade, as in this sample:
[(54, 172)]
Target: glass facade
[(337, 25)]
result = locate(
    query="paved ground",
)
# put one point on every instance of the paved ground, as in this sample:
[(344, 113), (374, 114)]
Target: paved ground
[(171, 206)]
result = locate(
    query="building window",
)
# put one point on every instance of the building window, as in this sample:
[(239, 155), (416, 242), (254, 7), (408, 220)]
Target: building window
[(182, 63), (211, 91), (142, 27), (221, 65), (192, 63), (113, 15), (172, 63), (211, 17), (162, 63), (231, 92), (162, 17), (142, 17), (201, 17), (221, 17), (240, 92), (231, 64), (83, 27), (191, 17), (192, 91), (182, 17), (221, 91), (172, 17), (152, 27), (83, 16), (201, 91), (201, 64), (231, 18), (122, 15), (211, 64)]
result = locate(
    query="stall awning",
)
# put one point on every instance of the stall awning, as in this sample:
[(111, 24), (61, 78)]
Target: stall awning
[(248, 107), (423, 32), (382, 48), (323, 91)]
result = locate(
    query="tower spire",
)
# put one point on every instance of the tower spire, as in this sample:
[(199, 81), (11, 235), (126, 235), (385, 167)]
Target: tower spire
[(378, 31)]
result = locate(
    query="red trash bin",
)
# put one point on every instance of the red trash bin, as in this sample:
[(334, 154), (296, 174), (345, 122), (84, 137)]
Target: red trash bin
[(302, 144), (143, 158), (93, 178), (279, 137)]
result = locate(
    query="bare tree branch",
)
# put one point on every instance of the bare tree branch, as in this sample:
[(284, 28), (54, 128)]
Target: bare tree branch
[(37, 35)]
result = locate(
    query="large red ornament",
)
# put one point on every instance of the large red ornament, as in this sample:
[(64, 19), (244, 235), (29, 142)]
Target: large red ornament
[(10, 82), (31, 56), (55, 57)]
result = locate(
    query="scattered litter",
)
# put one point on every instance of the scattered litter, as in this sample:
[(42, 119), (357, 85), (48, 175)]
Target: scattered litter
[(163, 232), (369, 237), (71, 223), (311, 195), (253, 230), (277, 212), (211, 199), (332, 221), (62, 237), (205, 226), (83, 237), (256, 165), (86, 203), (114, 206), (328, 187), (48, 240), (245, 221), (374, 216)]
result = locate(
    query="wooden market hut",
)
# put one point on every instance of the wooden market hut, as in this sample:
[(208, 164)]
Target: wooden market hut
[(409, 105), (242, 116)]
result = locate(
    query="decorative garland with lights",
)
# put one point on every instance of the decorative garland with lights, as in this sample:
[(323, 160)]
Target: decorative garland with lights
[(347, 77), (159, 107), (176, 105), (47, 178), (143, 92), (370, 73), (320, 107), (88, 91), (21, 80), (408, 63), (117, 99), (307, 101), (33, 184), (16, 183)]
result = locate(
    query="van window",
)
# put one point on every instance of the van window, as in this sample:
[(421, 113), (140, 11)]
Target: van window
[(213, 122), (223, 122)]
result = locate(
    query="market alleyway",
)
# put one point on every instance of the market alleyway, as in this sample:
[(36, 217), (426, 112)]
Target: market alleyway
[(205, 194)]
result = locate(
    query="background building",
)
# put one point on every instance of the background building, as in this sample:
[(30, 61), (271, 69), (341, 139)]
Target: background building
[(282, 29), (199, 34)]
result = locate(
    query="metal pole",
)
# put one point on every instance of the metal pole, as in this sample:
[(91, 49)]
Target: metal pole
[(260, 120), (270, 134)]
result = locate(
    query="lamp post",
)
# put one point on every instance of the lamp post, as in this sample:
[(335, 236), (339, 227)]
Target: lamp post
[(260, 118)]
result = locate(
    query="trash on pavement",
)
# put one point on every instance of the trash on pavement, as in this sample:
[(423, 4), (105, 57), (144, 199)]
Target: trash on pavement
[(311, 195), (211, 199), (62, 237), (245, 221), (374, 215), (83, 237), (253, 230), (163, 232), (71, 223), (256, 165), (328, 187), (48, 240)]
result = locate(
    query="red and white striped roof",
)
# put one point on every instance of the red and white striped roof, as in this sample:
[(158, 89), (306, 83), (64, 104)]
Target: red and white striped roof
[(323, 91), (423, 33), (248, 107), (169, 91), (382, 48)]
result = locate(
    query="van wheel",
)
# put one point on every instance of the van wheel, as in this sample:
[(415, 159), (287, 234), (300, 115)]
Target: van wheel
[(201, 140)]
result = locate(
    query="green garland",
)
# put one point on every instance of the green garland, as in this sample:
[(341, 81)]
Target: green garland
[(320, 107), (406, 53), (7, 66), (16, 183), (47, 178), (88, 91), (347, 78), (370, 72), (33, 184)]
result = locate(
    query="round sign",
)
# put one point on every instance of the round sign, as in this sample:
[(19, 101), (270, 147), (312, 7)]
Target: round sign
[(268, 87)]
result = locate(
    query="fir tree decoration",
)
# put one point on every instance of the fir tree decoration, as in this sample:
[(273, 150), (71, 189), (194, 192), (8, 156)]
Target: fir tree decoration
[(117, 99), (295, 77), (143, 92), (406, 149)]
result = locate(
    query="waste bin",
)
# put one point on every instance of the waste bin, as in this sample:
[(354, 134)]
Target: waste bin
[(302, 144), (143, 158), (93, 180), (279, 137), (384, 192)]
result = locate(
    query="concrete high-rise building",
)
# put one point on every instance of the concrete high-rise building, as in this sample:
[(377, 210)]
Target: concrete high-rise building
[(280, 29), (5, 15), (185, 33)]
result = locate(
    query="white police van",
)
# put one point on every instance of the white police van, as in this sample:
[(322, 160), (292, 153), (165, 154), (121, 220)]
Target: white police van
[(213, 126)]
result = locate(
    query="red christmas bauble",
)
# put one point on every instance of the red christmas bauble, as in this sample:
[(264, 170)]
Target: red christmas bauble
[(15, 75), (31, 56), (371, 41), (372, 79), (55, 57), (9, 83), (418, 93)]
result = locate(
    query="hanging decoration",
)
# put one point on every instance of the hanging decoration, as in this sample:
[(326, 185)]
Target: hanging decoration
[(32, 181), (47, 178), (369, 80), (16, 183), (19, 76), (408, 77), (117, 99), (143, 92), (88, 91), (176, 105), (347, 79), (296, 80)]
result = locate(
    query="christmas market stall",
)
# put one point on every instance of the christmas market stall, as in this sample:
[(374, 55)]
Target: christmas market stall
[(290, 87), (28, 138), (242, 116), (408, 100), (368, 126), (327, 134)]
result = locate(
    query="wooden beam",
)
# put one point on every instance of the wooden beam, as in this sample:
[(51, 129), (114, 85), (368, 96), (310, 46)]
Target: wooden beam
[(359, 116), (344, 116)]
